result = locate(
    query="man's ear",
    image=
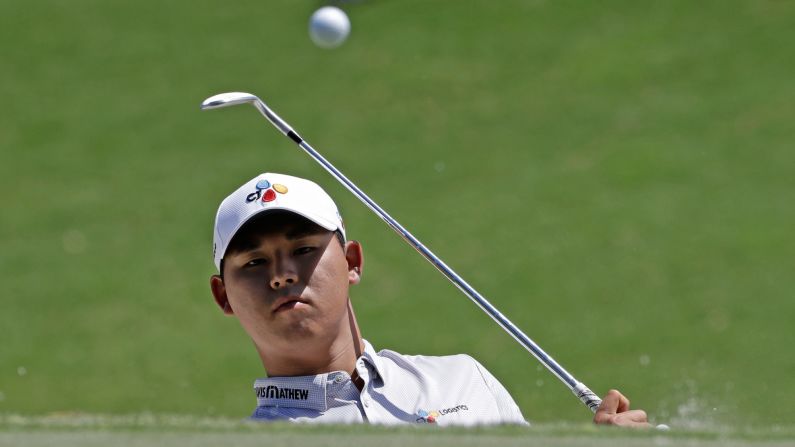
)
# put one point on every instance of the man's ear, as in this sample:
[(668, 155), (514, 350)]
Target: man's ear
[(219, 293), (355, 258)]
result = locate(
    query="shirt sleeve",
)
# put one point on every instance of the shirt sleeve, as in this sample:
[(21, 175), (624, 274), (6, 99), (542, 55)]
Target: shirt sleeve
[(509, 411)]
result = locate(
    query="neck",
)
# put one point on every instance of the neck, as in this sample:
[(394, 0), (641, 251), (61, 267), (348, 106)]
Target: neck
[(318, 357)]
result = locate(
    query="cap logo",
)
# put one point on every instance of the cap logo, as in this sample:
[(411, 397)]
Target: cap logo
[(269, 189)]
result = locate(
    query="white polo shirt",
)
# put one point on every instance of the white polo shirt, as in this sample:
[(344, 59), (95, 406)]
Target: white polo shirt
[(398, 389)]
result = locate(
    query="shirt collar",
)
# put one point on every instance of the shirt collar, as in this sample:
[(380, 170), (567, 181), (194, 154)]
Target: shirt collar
[(373, 359), (308, 391), (294, 392)]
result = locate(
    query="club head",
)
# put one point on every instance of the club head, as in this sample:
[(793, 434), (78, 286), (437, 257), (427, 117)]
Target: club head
[(228, 99), (235, 98)]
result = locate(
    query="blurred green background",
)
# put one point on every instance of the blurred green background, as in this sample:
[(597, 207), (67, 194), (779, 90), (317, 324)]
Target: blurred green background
[(616, 177)]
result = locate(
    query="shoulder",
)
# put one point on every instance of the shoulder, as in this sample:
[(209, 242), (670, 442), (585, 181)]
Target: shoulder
[(428, 363), (459, 370), (460, 375)]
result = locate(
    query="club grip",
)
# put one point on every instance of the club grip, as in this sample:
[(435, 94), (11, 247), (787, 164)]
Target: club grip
[(586, 396)]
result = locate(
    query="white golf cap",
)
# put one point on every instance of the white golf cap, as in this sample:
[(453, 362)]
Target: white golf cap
[(267, 192)]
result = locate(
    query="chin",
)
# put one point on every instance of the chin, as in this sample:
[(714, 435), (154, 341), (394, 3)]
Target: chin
[(300, 328)]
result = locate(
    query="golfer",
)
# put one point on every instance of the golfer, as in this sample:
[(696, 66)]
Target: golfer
[(285, 267)]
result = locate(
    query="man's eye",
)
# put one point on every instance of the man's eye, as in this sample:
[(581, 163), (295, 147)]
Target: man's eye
[(253, 262), (304, 250)]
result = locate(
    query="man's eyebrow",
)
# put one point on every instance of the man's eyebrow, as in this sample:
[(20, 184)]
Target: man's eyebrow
[(250, 242), (246, 245)]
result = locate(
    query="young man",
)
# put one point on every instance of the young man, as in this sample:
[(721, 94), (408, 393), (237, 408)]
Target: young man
[(285, 268)]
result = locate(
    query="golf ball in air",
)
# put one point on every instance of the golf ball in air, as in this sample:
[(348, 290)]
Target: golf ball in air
[(329, 27)]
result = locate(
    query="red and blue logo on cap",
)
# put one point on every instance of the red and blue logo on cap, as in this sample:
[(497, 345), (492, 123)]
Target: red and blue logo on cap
[(269, 194)]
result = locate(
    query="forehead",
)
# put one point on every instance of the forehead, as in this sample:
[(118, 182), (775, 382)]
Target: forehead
[(273, 223)]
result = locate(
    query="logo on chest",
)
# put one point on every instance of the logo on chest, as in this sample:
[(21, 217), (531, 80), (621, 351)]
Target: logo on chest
[(430, 417)]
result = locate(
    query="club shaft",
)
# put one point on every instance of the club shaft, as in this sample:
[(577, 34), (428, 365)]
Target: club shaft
[(585, 395)]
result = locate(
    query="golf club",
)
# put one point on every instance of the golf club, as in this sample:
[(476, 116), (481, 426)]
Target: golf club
[(585, 395)]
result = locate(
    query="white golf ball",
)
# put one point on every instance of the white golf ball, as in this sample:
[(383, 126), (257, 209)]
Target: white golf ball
[(663, 427), (329, 27)]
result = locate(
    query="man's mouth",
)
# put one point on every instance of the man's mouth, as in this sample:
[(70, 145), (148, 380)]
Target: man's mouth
[(288, 303)]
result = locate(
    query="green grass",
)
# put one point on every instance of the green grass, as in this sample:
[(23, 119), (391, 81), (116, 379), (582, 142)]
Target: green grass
[(616, 177), (150, 429)]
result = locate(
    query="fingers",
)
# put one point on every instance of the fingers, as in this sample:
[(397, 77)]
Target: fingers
[(614, 402), (602, 418), (623, 402), (632, 418), (615, 411)]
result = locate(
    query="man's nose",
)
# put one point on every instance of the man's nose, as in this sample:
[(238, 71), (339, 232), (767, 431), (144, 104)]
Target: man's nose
[(283, 276)]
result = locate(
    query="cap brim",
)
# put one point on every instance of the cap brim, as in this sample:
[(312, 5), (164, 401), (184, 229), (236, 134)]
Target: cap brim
[(324, 223)]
